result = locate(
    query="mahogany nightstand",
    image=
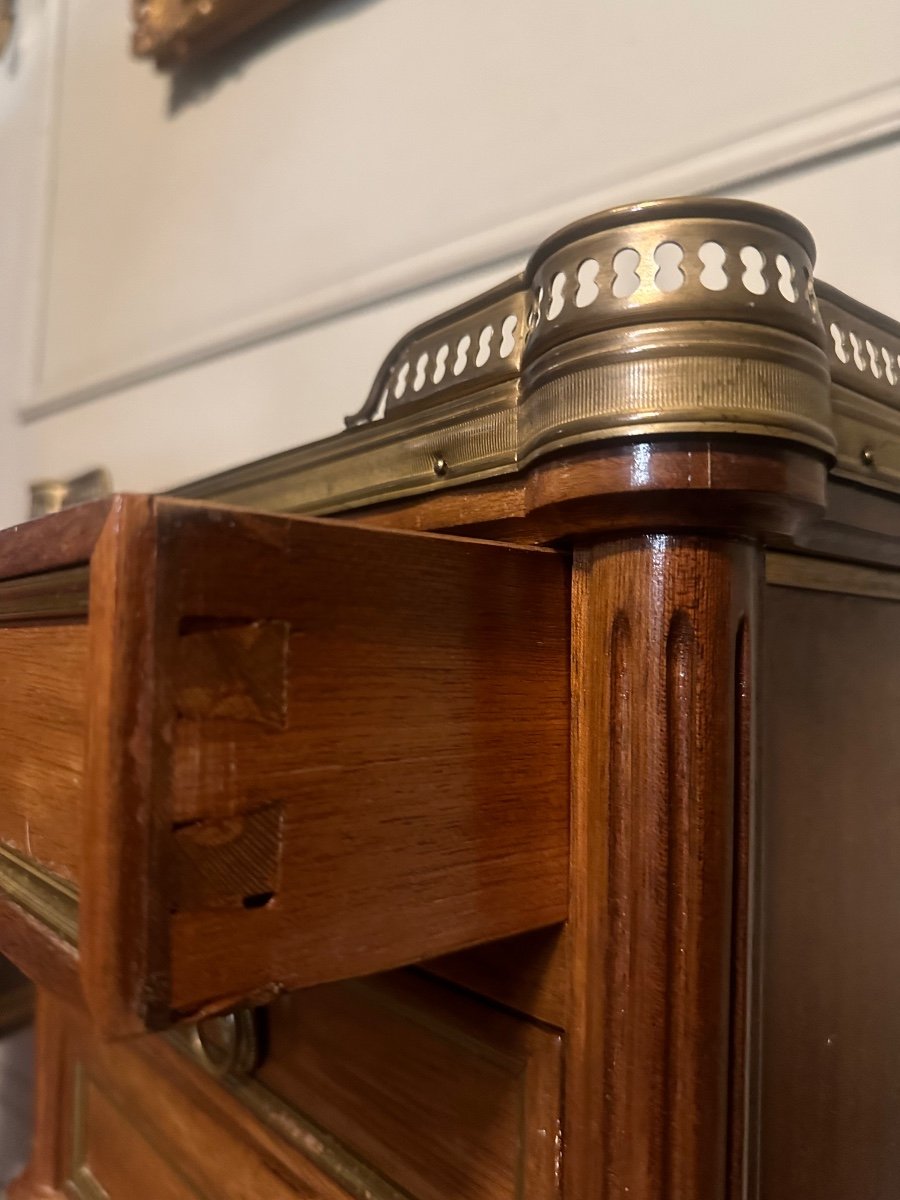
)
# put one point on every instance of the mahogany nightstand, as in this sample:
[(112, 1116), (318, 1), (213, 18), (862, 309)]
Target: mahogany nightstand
[(529, 824)]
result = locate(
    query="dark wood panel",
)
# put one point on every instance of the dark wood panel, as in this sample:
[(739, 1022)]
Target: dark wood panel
[(447, 1097), (58, 540), (829, 1026), (529, 973)]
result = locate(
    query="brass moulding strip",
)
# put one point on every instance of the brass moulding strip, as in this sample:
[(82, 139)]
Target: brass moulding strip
[(868, 439), (400, 457), (52, 900), (828, 575), (51, 595), (697, 316), (321, 1148)]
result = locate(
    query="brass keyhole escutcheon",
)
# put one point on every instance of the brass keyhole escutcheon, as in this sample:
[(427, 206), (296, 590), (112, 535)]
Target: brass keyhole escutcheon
[(7, 19)]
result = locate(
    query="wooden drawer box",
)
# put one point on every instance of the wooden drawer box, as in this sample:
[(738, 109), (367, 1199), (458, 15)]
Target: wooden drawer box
[(244, 753)]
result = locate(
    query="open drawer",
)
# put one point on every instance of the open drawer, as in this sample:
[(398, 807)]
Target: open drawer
[(245, 753)]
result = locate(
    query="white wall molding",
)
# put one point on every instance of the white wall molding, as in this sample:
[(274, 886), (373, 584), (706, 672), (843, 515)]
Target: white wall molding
[(844, 128)]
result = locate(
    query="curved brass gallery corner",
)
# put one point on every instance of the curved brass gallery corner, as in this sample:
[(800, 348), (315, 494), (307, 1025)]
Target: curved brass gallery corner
[(693, 317)]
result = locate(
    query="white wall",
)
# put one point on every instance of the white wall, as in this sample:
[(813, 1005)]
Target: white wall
[(27, 72), (229, 254)]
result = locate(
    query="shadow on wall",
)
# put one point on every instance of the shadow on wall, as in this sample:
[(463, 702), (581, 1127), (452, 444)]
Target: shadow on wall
[(195, 82)]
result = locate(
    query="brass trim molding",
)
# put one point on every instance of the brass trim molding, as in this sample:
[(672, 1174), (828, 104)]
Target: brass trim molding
[(697, 316), (53, 594), (319, 1146), (43, 895)]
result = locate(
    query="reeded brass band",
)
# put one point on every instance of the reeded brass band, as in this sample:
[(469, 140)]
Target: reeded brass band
[(53, 594)]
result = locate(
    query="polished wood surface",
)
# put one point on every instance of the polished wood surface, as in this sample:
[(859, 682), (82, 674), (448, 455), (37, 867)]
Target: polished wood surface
[(406, 679), (449, 1098), (292, 736), (125, 1121), (661, 631), (43, 680), (529, 973), (714, 1019), (750, 487), (423, 1092)]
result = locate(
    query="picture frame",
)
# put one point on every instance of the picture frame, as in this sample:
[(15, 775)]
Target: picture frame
[(172, 32)]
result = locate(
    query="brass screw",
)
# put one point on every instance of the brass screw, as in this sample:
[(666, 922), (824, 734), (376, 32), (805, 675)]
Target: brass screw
[(441, 466), (868, 457)]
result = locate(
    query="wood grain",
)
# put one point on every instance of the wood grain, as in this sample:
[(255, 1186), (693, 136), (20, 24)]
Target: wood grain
[(233, 672), (660, 700), (124, 935), (415, 666), (448, 1098), (117, 1157), (38, 952), (758, 488), (48, 543), (147, 1119), (227, 862), (361, 687), (528, 973), (43, 682), (53, 1086)]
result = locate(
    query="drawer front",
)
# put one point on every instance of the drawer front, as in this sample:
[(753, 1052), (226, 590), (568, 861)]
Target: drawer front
[(274, 752), (446, 1096), (43, 677), (392, 1089), (139, 1121)]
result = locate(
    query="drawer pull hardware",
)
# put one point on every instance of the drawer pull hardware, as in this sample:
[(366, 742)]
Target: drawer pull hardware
[(227, 1045)]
